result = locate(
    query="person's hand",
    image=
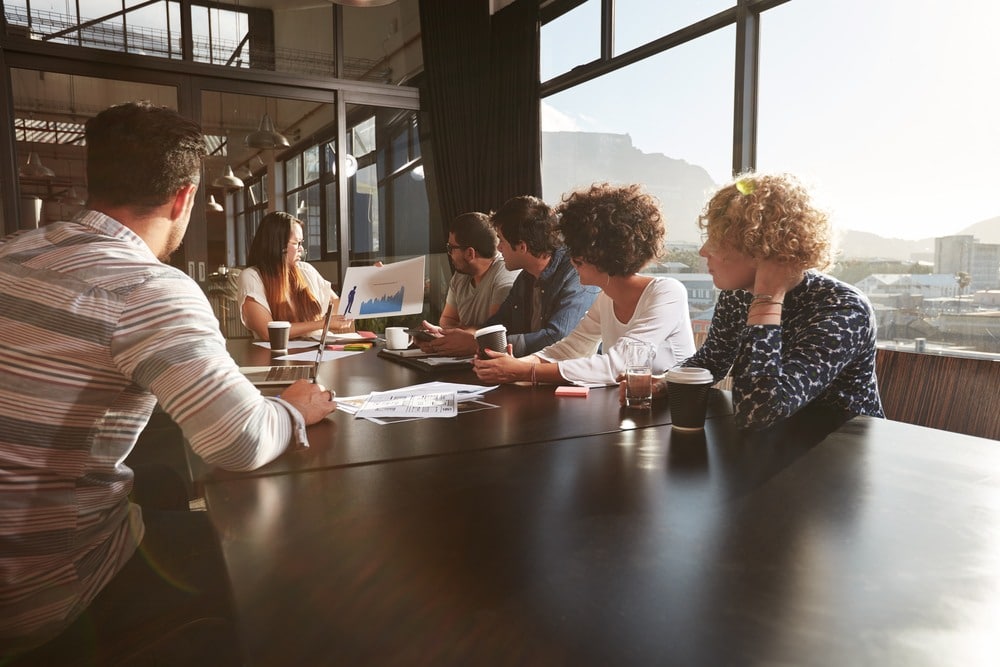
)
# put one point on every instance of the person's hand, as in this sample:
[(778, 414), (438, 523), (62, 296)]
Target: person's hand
[(501, 368), (432, 329), (312, 400), (659, 387), (775, 278), (451, 342)]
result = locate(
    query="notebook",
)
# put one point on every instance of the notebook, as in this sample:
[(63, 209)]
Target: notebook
[(273, 376)]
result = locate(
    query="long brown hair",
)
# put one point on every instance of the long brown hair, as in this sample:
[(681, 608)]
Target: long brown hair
[(288, 294)]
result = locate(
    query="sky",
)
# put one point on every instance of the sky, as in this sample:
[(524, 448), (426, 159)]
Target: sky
[(887, 109)]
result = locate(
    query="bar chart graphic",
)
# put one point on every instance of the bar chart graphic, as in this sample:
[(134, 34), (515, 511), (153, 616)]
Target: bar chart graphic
[(387, 303)]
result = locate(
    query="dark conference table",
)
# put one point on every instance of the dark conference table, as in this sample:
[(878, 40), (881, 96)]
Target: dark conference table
[(525, 414), (874, 542)]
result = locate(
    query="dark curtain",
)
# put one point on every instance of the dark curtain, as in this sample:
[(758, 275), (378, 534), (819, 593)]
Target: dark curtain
[(514, 139), (480, 95)]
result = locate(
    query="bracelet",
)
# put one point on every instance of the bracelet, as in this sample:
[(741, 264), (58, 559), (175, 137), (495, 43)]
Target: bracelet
[(765, 299), (534, 380)]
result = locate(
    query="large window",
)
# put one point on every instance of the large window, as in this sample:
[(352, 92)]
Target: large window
[(882, 109)]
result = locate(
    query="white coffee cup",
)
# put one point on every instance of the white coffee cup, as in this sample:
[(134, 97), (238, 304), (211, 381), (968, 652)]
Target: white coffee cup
[(396, 338), (277, 333)]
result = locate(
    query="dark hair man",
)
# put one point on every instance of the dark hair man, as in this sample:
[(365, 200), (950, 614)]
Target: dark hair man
[(546, 301), (97, 331), (481, 280)]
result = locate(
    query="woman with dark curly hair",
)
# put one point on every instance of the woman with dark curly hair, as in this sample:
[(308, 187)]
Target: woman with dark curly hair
[(789, 335), (611, 233), (277, 285)]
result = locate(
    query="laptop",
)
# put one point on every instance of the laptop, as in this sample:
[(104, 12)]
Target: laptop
[(277, 376)]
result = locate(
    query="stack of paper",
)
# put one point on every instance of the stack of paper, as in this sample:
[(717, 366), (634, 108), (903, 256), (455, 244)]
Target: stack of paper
[(420, 401)]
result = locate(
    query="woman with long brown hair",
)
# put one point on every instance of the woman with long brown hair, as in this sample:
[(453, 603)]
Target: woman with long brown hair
[(277, 285)]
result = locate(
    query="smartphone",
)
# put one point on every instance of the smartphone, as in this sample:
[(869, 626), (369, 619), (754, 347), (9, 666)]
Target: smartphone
[(421, 334)]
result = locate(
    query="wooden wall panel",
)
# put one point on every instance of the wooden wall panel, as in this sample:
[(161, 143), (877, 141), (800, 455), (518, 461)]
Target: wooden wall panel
[(950, 393)]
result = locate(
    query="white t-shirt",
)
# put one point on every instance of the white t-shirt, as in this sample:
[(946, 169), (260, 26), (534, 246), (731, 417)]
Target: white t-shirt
[(661, 317), (251, 285)]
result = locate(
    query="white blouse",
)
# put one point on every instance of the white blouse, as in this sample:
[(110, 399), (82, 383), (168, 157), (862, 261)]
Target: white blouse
[(661, 318), (251, 285)]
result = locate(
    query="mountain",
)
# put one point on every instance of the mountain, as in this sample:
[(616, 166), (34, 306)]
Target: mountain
[(854, 244), (574, 160), (987, 231), (865, 244)]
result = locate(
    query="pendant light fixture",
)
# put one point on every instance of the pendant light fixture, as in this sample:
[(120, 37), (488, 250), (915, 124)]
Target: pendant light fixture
[(34, 168), (213, 205), (228, 180), (266, 137)]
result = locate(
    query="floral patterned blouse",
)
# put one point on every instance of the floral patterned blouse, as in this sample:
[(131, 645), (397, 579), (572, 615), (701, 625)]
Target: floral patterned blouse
[(822, 353)]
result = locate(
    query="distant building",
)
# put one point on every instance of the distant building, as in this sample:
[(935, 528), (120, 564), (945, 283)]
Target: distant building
[(927, 285), (981, 261)]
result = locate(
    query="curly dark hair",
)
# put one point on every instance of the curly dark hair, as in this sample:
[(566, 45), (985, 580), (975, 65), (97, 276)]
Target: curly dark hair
[(618, 229), (530, 220), (140, 154), (769, 216)]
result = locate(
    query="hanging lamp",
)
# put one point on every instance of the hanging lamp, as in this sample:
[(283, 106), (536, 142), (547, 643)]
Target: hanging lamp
[(228, 180), (34, 168), (266, 137), (213, 205)]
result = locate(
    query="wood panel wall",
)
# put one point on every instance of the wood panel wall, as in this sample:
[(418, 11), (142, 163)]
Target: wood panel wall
[(950, 393)]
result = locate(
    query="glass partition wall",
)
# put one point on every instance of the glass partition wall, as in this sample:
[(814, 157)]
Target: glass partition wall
[(64, 62)]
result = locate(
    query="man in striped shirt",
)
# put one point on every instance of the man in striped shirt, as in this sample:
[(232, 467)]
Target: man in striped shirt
[(95, 330)]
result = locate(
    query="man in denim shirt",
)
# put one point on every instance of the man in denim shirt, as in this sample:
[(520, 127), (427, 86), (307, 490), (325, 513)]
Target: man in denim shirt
[(546, 301)]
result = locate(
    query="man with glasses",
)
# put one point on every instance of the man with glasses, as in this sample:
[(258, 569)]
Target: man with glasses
[(481, 280), (546, 301)]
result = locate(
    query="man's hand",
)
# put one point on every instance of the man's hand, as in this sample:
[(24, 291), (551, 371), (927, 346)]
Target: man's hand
[(451, 342), (313, 401)]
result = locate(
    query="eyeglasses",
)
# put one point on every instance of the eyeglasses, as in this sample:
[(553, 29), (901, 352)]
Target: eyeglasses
[(449, 247), (301, 244)]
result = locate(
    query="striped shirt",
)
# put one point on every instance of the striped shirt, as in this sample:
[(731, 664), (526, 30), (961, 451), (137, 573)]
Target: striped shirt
[(94, 330)]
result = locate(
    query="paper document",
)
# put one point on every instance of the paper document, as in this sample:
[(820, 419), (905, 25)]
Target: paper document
[(328, 355), (393, 405), (420, 401)]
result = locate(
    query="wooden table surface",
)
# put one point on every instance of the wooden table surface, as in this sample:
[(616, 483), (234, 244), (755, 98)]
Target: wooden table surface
[(871, 543)]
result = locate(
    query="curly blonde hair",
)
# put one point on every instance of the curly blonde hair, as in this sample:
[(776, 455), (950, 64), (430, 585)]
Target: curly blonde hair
[(769, 216)]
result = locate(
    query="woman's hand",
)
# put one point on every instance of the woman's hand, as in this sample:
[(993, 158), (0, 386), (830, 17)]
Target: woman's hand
[(775, 278), (659, 387), (501, 368)]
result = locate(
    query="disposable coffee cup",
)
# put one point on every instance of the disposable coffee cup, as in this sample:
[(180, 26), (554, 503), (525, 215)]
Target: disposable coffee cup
[(277, 333), (491, 338), (396, 338), (687, 394)]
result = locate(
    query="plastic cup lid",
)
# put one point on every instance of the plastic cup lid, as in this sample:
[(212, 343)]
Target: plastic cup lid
[(279, 324), (491, 329), (689, 375)]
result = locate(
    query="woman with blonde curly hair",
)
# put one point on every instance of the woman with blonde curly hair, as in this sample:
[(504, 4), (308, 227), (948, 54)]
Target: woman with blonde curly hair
[(610, 233), (788, 335)]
